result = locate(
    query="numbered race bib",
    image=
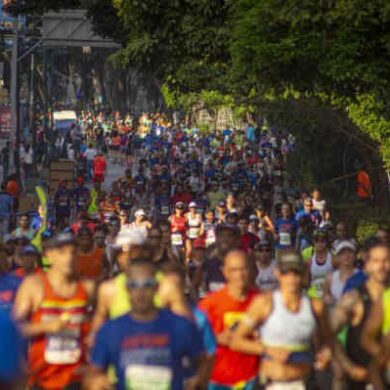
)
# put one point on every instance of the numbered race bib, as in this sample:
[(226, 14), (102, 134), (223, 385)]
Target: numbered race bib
[(177, 239), (285, 239), (317, 288), (215, 286), (165, 210), (62, 349), (193, 232), (140, 377), (210, 238)]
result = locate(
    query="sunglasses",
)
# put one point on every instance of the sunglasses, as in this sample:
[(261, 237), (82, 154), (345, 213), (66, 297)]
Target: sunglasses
[(141, 284), (264, 250), (291, 271)]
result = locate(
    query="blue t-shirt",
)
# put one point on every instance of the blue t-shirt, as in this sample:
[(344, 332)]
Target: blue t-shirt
[(6, 204), (147, 354), (9, 285), (287, 230), (203, 324), (11, 350), (355, 281)]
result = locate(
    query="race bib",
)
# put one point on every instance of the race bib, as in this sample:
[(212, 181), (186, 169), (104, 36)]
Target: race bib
[(210, 239), (317, 288), (165, 210), (62, 349), (193, 232), (140, 377), (177, 239), (215, 286), (285, 238)]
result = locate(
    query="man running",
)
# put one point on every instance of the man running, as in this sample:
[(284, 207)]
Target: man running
[(52, 309), (353, 311), (224, 309), (147, 345)]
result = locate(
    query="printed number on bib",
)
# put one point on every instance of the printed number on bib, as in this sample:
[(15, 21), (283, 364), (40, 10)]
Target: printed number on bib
[(193, 232), (164, 210), (140, 377), (214, 286), (285, 239), (62, 350), (177, 239)]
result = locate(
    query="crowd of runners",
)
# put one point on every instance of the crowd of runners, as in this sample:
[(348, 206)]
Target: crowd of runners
[(205, 266)]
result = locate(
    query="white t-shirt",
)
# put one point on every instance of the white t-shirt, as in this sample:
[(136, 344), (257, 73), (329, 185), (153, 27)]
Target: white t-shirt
[(90, 154), (319, 205), (28, 157)]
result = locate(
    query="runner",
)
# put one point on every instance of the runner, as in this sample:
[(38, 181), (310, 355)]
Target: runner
[(224, 309), (287, 322), (285, 230), (210, 274), (52, 309), (345, 254), (147, 345), (354, 311), (90, 260), (320, 265), (179, 227), (265, 279)]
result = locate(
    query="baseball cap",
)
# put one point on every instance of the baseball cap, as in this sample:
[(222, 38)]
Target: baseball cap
[(179, 205), (60, 239), (139, 213), (192, 204), (129, 237), (290, 261), (253, 217), (344, 244)]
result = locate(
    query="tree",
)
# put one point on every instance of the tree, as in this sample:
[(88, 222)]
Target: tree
[(335, 51)]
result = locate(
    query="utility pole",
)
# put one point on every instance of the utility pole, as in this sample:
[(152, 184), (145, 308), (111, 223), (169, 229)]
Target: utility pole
[(14, 145), (32, 109)]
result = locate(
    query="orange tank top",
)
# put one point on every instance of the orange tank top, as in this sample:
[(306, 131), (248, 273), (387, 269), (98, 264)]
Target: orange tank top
[(90, 265), (55, 360)]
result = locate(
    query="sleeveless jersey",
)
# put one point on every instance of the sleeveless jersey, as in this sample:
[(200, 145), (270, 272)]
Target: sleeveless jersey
[(54, 360), (297, 336), (318, 274), (194, 226), (178, 237)]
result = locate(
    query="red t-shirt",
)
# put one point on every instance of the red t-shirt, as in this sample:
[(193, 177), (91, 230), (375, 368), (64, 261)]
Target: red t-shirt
[(224, 312), (99, 165), (248, 241)]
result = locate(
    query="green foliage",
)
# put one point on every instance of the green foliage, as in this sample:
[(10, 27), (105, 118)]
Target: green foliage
[(338, 51), (365, 229)]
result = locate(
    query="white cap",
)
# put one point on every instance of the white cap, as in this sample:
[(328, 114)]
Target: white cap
[(192, 204), (345, 244), (139, 213), (130, 237)]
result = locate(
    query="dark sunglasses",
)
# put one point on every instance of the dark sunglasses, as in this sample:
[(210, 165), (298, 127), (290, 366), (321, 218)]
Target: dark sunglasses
[(264, 250), (291, 271), (138, 284)]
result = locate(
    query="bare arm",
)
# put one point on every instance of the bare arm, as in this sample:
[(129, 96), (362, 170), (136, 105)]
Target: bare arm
[(26, 302), (102, 306), (96, 379), (255, 315), (371, 330)]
